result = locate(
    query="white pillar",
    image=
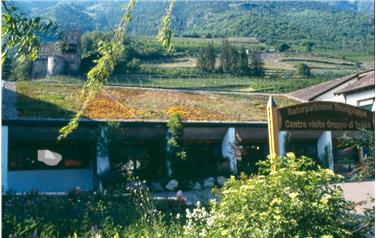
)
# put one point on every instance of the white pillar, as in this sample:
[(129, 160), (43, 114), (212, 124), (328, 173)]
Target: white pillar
[(229, 148), (103, 160), (282, 137), (4, 158), (325, 149)]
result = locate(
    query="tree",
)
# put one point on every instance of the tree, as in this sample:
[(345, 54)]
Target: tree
[(257, 64), (200, 64), (6, 68), (309, 45), (21, 70), (225, 55), (244, 67), (303, 70), (283, 47), (229, 59), (210, 57), (366, 142), (206, 58), (90, 42), (233, 61), (19, 33)]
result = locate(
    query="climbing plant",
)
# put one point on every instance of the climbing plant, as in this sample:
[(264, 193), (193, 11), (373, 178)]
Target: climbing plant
[(174, 147), (110, 53)]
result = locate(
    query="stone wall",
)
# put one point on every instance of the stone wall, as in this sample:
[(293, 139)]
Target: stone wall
[(39, 68)]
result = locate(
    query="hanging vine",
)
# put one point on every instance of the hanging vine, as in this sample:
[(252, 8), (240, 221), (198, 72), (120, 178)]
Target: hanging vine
[(165, 31), (110, 53)]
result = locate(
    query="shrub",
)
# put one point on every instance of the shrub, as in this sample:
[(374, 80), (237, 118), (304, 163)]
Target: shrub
[(299, 200), (283, 47), (303, 70)]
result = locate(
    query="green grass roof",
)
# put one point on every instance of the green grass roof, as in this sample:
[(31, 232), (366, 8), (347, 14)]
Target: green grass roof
[(43, 100)]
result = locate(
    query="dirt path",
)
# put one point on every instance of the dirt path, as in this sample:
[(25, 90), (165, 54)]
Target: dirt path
[(358, 192)]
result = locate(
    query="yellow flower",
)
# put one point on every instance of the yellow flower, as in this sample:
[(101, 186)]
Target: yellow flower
[(177, 110), (224, 232), (325, 198), (327, 236), (275, 201), (263, 214), (293, 195), (329, 171), (290, 155)]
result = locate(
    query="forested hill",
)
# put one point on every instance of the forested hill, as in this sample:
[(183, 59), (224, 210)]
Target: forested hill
[(332, 24)]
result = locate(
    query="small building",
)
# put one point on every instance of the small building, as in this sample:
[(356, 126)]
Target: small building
[(60, 57), (357, 90), (224, 133)]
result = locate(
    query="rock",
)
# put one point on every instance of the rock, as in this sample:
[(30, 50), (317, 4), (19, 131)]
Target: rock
[(172, 185), (197, 186), (156, 187), (221, 180), (209, 183)]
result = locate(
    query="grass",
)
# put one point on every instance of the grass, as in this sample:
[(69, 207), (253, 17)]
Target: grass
[(367, 58), (273, 82), (192, 45), (57, 100)]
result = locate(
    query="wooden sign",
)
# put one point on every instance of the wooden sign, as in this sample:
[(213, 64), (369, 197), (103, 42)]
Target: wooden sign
[(327, 116)]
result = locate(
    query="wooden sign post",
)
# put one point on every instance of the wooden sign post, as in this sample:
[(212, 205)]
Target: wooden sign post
[(323, 116), (272, 112)]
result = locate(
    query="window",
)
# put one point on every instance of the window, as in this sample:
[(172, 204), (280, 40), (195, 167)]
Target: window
[(366, 103), (49, 155)]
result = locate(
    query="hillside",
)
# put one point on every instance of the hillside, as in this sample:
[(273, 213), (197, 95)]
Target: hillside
[(333, 24)]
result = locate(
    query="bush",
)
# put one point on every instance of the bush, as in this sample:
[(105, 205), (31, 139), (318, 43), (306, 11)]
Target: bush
[(283, 47), (299, 200), (81, 214), (304, 70)]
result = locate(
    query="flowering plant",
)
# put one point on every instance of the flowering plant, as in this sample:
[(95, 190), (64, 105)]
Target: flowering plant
[(300, 199)]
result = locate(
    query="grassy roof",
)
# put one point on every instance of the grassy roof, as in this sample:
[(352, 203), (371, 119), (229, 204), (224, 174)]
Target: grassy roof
[(44, 100)]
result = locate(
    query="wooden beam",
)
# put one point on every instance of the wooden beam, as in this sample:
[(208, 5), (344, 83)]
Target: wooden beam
[(272, 112)]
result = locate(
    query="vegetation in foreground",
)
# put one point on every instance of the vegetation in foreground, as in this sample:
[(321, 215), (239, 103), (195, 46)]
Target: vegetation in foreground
[(299, 200)]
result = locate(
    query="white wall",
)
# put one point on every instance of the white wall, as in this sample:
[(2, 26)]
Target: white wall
[(4, 158), (329, 96), (324, 144), (228, 148), (59, 180), (282, 136), (353, 98)]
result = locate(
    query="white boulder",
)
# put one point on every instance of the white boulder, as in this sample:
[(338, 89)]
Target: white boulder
[(221, 180), (197, 186), (172, 185), (209, 182)]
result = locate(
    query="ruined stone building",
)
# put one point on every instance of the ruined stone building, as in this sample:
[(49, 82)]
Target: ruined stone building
[(60, 57)]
